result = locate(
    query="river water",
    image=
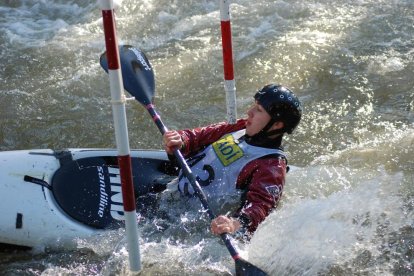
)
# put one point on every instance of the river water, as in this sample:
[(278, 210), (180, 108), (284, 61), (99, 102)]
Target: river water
[(348, 205)]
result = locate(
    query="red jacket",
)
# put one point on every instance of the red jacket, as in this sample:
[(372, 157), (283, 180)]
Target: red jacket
[(262, 180)]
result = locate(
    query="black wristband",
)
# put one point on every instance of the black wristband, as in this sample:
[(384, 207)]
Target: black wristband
[(244, 220)]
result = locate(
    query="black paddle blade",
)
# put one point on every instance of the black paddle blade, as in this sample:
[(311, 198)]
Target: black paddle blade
[(137, 73), (244, 268)]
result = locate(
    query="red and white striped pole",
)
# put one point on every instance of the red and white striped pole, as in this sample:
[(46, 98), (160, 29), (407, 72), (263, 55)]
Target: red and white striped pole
[(226, 40), (121, 132)]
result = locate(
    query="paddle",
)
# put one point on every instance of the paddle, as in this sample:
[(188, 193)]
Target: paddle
[(138, 79)]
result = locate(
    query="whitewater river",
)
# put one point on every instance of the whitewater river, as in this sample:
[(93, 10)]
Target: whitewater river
[(348, 205)]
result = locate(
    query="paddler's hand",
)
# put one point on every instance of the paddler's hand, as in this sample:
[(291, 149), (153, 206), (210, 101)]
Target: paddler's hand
[(223, 224), (172, 140)]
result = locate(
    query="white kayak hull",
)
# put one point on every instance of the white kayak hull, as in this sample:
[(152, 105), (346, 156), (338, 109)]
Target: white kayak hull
[(36, 189)]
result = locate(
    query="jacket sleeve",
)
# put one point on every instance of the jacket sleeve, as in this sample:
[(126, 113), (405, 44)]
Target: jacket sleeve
[(263, 181), (199, 138)]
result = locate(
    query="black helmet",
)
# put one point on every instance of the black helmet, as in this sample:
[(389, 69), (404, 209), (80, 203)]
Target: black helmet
[(281, 104)]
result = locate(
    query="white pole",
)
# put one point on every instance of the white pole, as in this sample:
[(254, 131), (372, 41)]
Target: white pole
[(229, 83), (121, 133)]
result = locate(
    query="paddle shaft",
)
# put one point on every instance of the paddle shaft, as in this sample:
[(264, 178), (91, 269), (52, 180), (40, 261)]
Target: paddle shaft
[(194, 183)]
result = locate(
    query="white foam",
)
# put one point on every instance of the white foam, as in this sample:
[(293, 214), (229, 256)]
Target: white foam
[(35, 22), (308, 236), (386, 64)]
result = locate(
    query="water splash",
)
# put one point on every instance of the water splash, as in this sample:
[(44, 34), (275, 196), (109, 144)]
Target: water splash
[(311, 236)]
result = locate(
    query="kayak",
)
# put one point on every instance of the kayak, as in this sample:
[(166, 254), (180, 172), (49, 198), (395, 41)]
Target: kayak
[(49, 196)]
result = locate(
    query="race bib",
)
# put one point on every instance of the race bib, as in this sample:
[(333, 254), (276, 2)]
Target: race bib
[(227, 150)]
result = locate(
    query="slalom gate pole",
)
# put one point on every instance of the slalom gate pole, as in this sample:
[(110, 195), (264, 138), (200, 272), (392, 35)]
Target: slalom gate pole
[(229, 83), (121, 132)]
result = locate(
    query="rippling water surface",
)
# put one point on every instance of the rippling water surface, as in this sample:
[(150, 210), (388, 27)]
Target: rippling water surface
[(349, 198)]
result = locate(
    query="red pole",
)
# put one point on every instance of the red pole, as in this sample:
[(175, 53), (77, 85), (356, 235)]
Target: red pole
[(121, 133), (229, 83)]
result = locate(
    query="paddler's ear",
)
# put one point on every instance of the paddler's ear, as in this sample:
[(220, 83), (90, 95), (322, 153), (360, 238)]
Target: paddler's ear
[(277, 125)]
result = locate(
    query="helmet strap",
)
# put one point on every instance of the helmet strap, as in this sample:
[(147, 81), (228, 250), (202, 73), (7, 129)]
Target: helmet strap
[(265, 133), (275, 131), (268, 126)]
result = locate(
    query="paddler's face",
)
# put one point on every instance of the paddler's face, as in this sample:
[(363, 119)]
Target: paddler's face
[(257, 119)]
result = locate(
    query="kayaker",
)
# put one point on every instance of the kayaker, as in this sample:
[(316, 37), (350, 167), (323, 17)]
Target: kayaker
[(245, 157)]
